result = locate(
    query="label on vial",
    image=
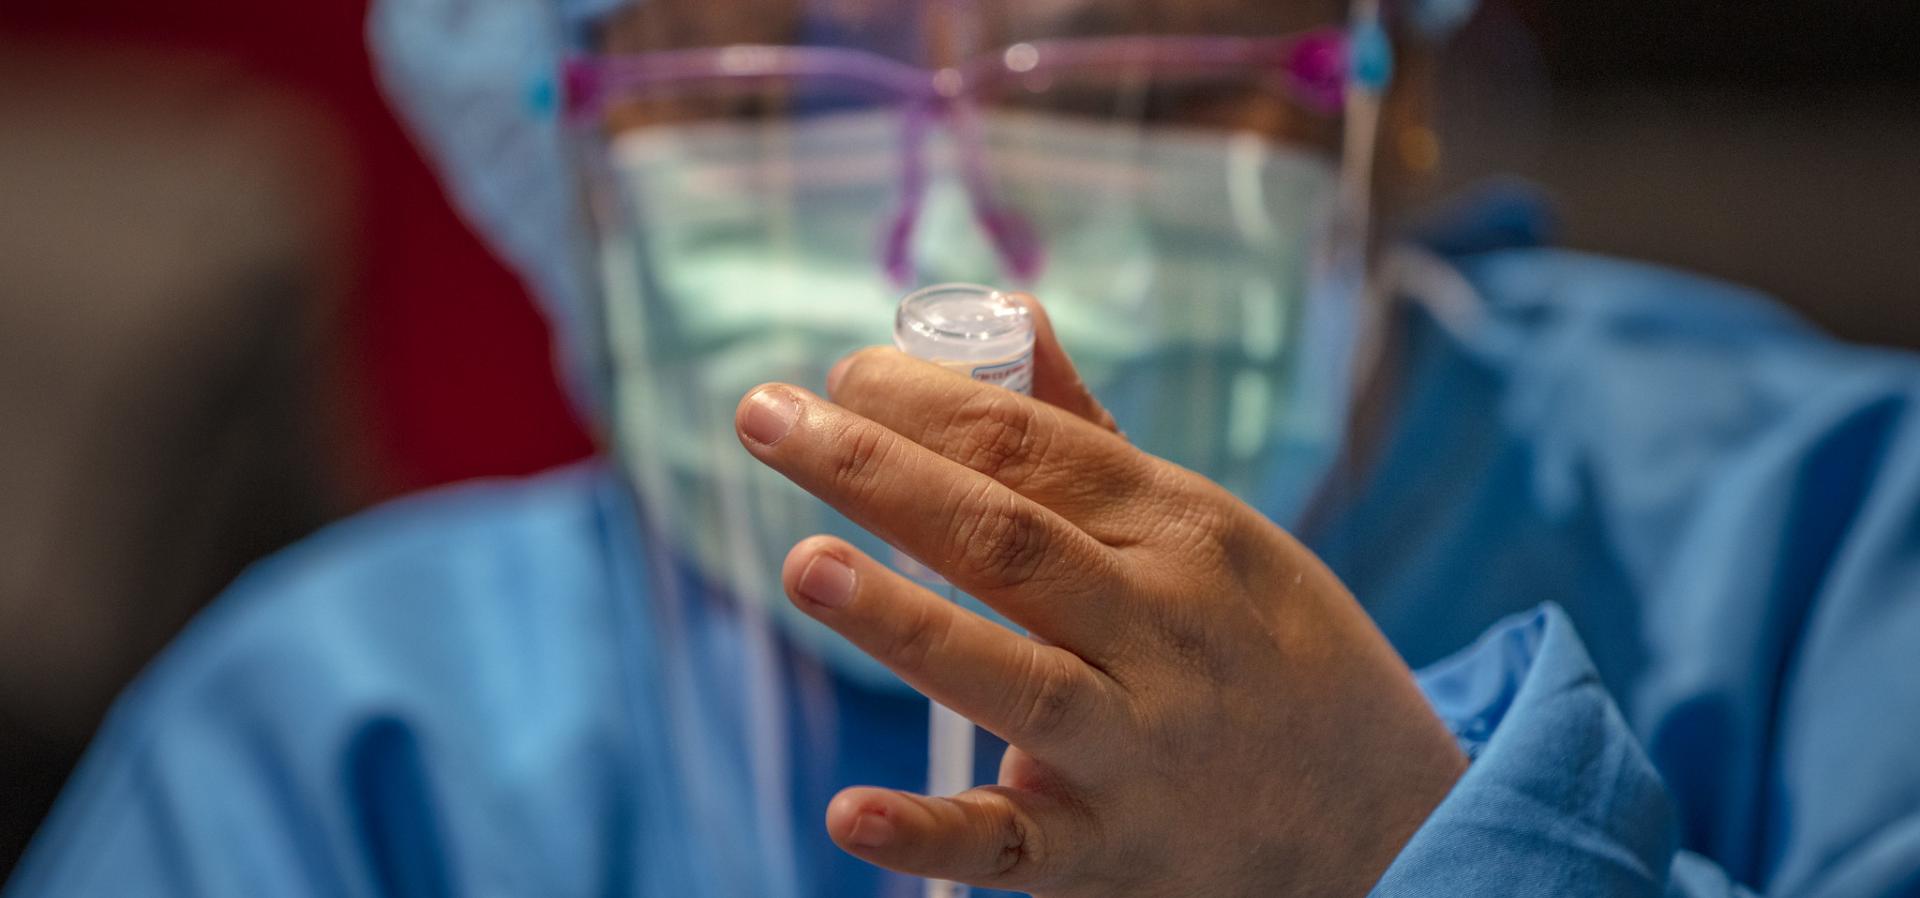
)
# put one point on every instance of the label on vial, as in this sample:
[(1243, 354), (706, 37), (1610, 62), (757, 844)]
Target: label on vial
[(1015, 374)]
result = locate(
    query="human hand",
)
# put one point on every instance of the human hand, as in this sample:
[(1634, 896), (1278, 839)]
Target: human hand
[(1202, 707)]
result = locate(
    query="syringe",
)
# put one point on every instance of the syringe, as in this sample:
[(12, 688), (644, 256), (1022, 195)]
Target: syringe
[(984, 334)]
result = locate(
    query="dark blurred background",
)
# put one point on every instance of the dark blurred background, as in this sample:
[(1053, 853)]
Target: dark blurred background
[(1766, 143), (234, 305)]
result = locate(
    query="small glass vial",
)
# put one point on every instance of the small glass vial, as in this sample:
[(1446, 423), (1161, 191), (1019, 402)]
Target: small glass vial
[(973, 329), (982, 333)]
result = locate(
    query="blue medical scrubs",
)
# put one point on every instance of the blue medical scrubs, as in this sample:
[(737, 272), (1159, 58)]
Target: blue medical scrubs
[(1679, 531)]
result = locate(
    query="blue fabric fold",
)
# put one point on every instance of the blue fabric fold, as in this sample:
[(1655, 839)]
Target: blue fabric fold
[(1559, 800)]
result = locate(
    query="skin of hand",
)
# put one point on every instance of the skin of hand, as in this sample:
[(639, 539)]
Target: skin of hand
[(1201, 708)]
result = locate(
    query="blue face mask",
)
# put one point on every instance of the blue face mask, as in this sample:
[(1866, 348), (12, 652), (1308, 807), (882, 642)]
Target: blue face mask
[(1177, 272)]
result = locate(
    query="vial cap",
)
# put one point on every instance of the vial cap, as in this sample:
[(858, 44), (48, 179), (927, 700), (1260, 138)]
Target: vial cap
[(968, 313)]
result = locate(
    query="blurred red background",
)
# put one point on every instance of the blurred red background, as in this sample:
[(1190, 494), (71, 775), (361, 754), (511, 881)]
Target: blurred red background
[(448, 361)]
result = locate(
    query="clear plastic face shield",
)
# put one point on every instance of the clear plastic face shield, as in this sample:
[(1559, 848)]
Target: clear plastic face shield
[(766, 180)]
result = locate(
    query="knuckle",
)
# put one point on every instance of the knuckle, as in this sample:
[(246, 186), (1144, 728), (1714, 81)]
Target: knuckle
[(918, 637), (1190, 644), (993, 433), (1022, 853), (862, 451), (1020, 847), (1198, 527), (1004, 542), (1049, 700)]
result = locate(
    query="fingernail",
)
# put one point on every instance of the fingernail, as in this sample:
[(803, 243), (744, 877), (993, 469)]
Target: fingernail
[(826, 581), (770, 414), (838, 371), (871, 830)]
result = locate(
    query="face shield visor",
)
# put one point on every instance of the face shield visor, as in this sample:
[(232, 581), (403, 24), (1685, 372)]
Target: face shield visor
[(764, 185), (758, 209)]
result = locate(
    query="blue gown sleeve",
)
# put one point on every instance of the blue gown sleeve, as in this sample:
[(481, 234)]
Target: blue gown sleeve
[(1561, 799), (199, 786), (418, 702)]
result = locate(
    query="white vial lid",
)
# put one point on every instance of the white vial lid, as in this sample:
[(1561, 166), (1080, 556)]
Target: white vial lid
[(962, 323)]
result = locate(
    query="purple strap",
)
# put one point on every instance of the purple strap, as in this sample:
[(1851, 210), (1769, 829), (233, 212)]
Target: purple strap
[(1313, 66)]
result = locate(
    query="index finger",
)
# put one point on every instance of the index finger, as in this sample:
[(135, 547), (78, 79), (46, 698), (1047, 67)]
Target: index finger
[(1086, 473), (1009, 551)]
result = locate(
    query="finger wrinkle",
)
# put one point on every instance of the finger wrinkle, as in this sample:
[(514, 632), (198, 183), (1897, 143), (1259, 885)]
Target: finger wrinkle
[(1006, 542), (996, 436), (858, 462)]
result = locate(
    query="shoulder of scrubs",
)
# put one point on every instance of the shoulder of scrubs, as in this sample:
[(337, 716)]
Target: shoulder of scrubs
[(1727, 504), (404, 703), (1661, 402)]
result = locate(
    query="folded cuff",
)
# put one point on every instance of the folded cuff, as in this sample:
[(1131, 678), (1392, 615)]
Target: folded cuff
[(1560, 799)]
